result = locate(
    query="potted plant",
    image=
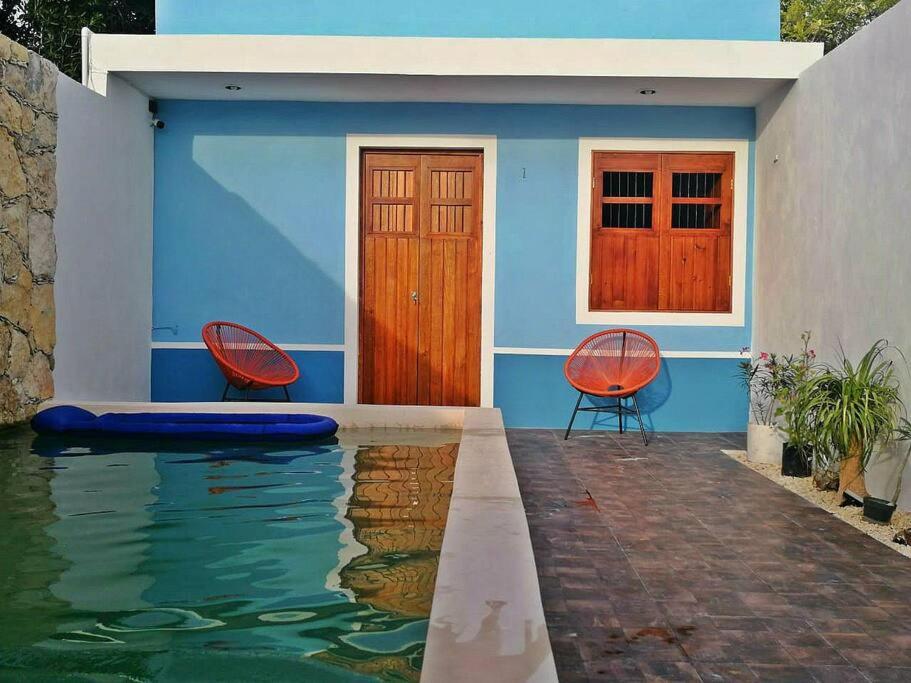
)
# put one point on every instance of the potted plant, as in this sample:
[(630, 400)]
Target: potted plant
[(763, 440), (879, 509), (856, 410), (793, 375)]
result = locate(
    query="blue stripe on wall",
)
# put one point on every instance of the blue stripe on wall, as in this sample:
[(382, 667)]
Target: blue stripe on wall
[(180, 375), (706, 19), (690, 395)]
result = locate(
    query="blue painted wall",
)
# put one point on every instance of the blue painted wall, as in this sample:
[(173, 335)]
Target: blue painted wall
[(690, 395), (708, 19), (250, 209), (191, 375)]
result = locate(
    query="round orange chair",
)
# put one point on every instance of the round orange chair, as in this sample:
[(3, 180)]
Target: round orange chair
[(613, 364), (247, 359)]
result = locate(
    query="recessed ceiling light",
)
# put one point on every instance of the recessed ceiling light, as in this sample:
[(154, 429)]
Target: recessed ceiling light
[(647, 91), (233, 88)]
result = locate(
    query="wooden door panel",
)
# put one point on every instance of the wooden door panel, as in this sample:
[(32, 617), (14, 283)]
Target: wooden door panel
[(449, 342), (421, 235), (390, 251)]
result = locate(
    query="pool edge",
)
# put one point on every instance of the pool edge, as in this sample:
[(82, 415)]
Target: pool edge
[(487, 620)]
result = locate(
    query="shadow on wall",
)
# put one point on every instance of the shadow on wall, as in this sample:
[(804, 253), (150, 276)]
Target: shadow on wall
[(217, 257), (651, 399), (689, 394)]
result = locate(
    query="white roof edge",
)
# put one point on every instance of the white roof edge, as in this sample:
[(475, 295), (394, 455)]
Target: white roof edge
[(245, 54)]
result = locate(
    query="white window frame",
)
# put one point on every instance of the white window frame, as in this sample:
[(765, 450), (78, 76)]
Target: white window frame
[(737, 316)]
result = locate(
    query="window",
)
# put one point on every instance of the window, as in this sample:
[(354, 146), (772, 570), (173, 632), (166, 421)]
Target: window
[(661, 232)]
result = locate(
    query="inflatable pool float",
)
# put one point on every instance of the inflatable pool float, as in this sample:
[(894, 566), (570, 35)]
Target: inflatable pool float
[(70, 420)]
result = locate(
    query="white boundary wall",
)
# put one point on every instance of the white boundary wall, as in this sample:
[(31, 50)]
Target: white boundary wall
[(833, 251), (103, 230)]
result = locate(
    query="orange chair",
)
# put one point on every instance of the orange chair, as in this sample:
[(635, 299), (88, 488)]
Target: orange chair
[(247, 359), (613, 364)]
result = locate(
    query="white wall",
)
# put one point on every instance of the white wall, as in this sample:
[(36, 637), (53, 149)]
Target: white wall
[(103, 229), (834, 204)]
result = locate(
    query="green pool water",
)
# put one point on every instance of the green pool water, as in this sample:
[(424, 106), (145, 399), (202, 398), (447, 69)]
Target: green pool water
[(128, 562)]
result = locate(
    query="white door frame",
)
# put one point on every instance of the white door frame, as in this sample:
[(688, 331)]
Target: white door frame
[(357, 142)]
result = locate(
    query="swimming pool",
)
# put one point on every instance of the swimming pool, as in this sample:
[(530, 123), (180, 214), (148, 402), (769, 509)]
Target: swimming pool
[(222, 563)]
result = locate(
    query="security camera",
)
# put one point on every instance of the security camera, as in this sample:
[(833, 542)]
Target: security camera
[(158, 123)]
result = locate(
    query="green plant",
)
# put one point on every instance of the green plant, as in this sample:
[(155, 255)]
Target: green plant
[(53, 28), (902, 433), (793, 375), (828, 21), (756, 377), (855, 408)]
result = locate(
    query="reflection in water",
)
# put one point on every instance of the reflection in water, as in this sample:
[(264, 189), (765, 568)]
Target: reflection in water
[(398, 508), (219, 563), (28, 565)]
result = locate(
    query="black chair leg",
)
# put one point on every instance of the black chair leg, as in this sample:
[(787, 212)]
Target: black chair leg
[(639, 418), (287, 395), (224, 395), (573, 418), (620, 413)]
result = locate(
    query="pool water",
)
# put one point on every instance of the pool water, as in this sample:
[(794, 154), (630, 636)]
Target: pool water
[(212, 562)]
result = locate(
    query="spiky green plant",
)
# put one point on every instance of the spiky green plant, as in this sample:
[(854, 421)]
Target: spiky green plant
[(855, 407), (903, 433)]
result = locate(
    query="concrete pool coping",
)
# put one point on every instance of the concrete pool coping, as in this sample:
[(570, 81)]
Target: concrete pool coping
[(487, 621)]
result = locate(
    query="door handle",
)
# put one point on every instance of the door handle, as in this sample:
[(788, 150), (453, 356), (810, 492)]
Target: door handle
[(414, 297)]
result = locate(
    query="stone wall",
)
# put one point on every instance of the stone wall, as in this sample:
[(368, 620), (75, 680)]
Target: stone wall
[(28, 199)]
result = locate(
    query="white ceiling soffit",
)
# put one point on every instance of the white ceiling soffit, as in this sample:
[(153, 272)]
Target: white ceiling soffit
[(484, 70)]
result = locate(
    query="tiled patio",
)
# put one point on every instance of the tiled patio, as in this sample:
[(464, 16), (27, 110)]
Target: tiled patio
[(674, 562)]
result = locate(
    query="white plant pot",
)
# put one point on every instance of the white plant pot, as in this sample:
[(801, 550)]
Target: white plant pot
[(764, 444)]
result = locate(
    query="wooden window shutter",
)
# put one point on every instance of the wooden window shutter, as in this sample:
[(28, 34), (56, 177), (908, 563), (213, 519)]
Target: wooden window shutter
[(661, 232), (625, 239)]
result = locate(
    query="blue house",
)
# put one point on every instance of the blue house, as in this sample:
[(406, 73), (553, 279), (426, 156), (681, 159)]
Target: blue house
[(433, 204)]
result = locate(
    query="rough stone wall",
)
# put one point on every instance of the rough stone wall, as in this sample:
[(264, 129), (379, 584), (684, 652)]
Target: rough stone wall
[(28, 199)]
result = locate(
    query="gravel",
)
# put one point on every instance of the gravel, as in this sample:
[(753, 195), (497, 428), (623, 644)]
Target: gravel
[(829, 501)]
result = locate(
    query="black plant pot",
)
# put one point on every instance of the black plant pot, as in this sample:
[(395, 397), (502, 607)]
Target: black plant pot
[(878, 510), (795, 461)]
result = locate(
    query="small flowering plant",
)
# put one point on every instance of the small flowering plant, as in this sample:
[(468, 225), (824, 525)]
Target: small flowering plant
[(773, 379), (794, 393), (758, 376)]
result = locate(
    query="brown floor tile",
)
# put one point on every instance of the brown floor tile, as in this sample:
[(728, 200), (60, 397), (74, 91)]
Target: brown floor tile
[(690, 566)]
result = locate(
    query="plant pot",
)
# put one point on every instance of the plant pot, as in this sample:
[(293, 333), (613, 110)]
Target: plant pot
[(878, 509), (763, 444), (795, 461)]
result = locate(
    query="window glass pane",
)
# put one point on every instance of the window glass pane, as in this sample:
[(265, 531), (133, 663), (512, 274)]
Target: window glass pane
[(628, 184), (697, 185), (696, 216), (626, 216)]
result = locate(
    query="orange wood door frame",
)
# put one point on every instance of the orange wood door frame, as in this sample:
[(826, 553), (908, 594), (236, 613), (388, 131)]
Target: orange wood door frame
[(420, 277)]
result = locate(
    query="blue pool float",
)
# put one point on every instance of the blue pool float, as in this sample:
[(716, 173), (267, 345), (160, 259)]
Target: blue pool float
[(70, 420)]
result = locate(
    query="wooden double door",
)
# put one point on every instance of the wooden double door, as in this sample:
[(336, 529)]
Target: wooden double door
[(420, 279)]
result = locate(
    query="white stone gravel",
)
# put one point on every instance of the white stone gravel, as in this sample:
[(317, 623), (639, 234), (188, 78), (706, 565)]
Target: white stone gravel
[(829, 501)]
